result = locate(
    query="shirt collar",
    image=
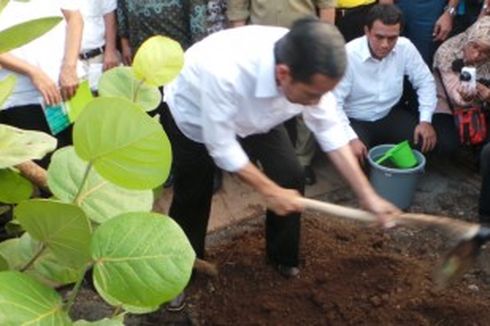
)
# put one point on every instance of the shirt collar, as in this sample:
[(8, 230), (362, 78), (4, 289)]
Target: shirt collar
[(266, 77)]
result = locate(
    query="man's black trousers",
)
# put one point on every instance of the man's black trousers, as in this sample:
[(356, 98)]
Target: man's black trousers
[(193, 188)]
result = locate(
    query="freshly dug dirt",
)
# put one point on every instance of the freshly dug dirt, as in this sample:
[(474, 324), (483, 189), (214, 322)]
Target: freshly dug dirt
[(350, 275)]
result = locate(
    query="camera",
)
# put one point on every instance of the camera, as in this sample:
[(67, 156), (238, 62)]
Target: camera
[(468, 79)]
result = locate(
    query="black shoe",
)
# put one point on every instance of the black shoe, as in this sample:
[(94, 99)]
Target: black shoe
[(287, 271), (177, 304), (309, 174)]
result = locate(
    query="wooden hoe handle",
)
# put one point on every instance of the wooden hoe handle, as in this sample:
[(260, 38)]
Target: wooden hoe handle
[(462, 228)]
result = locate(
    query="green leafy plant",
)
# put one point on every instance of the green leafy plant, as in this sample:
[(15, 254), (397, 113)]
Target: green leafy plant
[(100, 217)]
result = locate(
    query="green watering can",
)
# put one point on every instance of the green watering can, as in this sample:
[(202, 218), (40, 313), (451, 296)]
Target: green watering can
[(401, 155)]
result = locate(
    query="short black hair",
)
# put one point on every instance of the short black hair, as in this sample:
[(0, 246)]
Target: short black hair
[(312, 47), (387, 14)]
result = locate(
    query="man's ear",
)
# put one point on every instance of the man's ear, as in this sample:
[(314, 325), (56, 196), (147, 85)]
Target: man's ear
[(366, 30), (283, 73)]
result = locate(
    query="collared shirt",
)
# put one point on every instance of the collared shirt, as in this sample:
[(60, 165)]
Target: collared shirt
[(93, 12), (45, 52), (227, 89), (274, 12), (353, 3), (371, 87)]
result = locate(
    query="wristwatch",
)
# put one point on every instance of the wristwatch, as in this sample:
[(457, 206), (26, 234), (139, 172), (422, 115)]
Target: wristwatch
[(451, 10)]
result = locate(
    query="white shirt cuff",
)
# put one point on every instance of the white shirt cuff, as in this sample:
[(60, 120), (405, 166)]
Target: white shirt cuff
[(231, 159), (426, 116)]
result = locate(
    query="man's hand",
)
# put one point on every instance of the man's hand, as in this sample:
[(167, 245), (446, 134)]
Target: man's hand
[(111, 60), (443, 27), (359, 150), (280, 200), (483, 92), (384, 210), (466, 94), (283, 201), (46, 86), (68, 81), (426, 133)]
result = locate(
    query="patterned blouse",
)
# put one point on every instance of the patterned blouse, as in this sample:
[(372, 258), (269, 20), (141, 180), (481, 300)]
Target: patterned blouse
[(447, 56), (181, 20)]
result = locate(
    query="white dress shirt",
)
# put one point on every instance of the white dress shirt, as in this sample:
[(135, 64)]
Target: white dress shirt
[(371, 87), (45, 52), (227, 89), (93, 12)]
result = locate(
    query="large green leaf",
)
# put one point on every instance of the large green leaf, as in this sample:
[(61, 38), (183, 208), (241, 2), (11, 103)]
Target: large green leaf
[(121, 82), (4, 265), (46, 269), (14, 188), (23, 33), (6, 87), (158, 60), (129, 308), (126, 146), (24, 301), (100, 199), (18, 146), (141, 259), (64, 228)]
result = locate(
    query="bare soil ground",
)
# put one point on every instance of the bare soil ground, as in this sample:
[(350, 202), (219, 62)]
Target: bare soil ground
[(351, 274)]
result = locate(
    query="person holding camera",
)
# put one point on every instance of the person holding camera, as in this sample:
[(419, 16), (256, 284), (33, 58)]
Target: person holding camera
[(462, 71), (463, 63)]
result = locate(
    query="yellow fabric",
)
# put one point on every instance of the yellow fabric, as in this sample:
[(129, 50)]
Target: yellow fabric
[(353, 3)]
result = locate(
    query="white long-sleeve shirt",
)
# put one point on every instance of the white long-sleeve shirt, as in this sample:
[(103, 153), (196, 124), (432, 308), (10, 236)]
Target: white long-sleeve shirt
[(227, 89), (371, 87)]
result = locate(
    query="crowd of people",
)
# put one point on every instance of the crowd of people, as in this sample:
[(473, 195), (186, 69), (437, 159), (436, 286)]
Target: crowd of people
[(270, 85)]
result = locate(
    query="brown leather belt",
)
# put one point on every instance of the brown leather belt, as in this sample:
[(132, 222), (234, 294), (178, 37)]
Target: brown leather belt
[(91, 53)]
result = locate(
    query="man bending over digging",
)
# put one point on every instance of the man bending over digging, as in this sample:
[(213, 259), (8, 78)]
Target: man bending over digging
[(235, 90)]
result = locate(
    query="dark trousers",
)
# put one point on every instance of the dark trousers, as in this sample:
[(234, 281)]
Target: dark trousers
[(350, 22), (31, 117), (193, 188), (399, 125)]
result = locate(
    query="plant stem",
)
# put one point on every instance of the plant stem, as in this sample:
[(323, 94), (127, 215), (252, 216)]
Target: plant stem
[(117, 310), (82, 184), (34, 258), (76, 289), (136, 91)]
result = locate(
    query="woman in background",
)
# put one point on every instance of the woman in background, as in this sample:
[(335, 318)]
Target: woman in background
[(470, 48)]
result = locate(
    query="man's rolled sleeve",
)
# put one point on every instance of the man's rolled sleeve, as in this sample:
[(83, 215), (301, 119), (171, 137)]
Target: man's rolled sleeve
[(231, 158), (422, 80), (332, 138), (329, 124)]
